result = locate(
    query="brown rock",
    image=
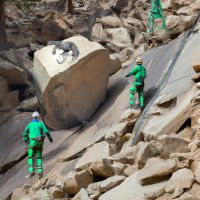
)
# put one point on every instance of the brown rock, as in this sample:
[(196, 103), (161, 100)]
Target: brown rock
[(196, 68), (156, 169), (82, 195), (187, 196), (98, 33), (146, 151), (168, 144), (130, 116), (197, 172), (102, 168), (196, 77), (96, 152), (131, 189), (118, 168), (115, 65), (77, 180), (129, 170), (195, 190), (95, 189), (21, 194), (116, 131), (56, 193), (125, 156), (110, 22), (180, 180)]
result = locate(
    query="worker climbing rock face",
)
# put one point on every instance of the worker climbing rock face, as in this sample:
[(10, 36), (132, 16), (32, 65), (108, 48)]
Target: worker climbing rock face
[(139, 73), (34, 135)]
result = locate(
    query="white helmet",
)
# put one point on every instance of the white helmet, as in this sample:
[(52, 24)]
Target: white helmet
[(35, 114), (139, 61)]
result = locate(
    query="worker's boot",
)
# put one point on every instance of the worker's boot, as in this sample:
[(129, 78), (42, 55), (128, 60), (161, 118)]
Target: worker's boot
[(30, 175)]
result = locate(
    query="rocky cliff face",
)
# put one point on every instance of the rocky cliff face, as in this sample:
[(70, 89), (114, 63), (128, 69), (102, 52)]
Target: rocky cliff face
[(96, 161)]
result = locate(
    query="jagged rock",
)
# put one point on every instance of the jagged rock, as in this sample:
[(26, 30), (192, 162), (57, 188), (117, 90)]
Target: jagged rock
[(194, 145), (195, 190), (140, 38), (196, 77), (110, 22), (126, 53), (77, 180), (186, 133), (118, 168), (187, 196), (115, 132), (119, 37), (96, 189), (180, 180), (157, 192), (198, 85), (166, 101), (102, 168), (98, 33), (115, 63), (41, 194), (54, 178), (130, 115), (181, 3), (83, 96), (159, 36), (156, 169), (12, 73), (125, 156), (56, 193), (146, 151), (29, 105), (178, 24), (196, 68), (128, 171), (171, 144), (96, 152), (8, 99), (197, 172), (184, 160), (82, 195), (142, 48), (21, 193), (131, 189)]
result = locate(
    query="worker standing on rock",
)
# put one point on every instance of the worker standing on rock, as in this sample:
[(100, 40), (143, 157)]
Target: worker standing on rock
[(139, 73), (34, 135)]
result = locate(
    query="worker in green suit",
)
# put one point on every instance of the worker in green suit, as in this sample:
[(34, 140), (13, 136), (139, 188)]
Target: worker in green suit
[(139, 73), (34, 135)]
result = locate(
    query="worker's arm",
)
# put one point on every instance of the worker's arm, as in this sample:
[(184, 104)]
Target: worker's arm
[(26, 134), (133, 72), (46, 132)]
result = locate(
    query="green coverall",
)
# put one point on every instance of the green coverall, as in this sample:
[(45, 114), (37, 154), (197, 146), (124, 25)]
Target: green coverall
[(156, 12), (34, 134), (139, 73)]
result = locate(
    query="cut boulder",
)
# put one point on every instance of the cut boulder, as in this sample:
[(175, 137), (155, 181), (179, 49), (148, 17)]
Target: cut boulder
[(72, 91), (155, 170)]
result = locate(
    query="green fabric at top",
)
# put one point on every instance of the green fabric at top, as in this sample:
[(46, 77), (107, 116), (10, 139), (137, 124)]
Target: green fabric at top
[(137, 72), (35, 129)]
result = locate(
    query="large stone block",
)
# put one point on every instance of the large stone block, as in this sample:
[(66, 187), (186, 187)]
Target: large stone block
[(72, 91)]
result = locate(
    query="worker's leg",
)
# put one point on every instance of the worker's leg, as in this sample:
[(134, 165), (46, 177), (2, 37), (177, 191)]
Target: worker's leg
[(141, 96), (38, 155), (30, 160), (132, 95)]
